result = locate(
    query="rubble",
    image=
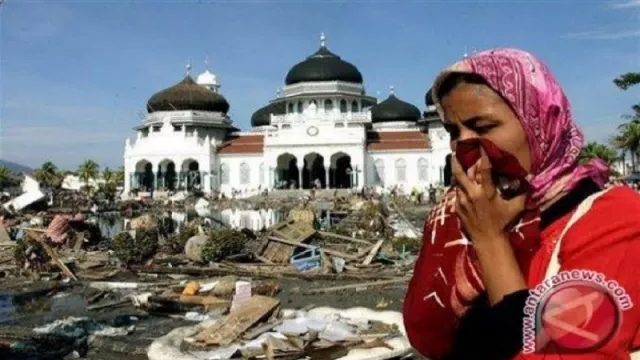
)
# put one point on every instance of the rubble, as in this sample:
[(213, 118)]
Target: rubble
[(234, 282)]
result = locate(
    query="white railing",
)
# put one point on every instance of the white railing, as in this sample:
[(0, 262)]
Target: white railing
[(322, 87), (321, 116), (186, 116)]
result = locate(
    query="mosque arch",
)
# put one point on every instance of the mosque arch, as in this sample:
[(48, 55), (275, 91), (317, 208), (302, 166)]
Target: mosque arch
[(328, 105), (245, 174), (224, 174), (340, 171), (313, 171), (261, 174), (144, 176), (354, 106), (287, 171), (378, 170), (190, 169), (423, 169), (167, 175), (401, 170), (343, 106)]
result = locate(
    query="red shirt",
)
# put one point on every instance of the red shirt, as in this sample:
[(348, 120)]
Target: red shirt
[(606, 240)]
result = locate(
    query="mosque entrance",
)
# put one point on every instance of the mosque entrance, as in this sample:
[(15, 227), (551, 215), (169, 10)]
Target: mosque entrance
[(288, 176), (167, 175), (340, 171), (313, 172), (193, 177), (147, 181), (143, 178)]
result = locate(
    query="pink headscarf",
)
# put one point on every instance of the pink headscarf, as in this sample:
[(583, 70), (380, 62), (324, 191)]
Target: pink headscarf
[(545, 114)]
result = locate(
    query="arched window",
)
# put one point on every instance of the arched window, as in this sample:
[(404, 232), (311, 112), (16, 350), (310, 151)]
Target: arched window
[(354, 106), (401, 170), (328, 105), (343, 106), (423, 169), (224, 174), (299, 107), (244, 174), (261, 175), (290, 108), (378, 171)]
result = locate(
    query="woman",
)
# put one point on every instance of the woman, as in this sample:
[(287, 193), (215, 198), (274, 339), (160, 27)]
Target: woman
[(511, 219)]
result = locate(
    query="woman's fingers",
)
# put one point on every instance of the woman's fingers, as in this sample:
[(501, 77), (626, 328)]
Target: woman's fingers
[(484, 175), (461, 178)]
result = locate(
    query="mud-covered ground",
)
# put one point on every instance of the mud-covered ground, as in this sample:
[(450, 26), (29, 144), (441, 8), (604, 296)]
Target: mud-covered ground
[(34, 304)]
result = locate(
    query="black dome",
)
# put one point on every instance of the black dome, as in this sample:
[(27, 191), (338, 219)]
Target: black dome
[(323, 66), (262, 116), (187, 95), (394, 109)]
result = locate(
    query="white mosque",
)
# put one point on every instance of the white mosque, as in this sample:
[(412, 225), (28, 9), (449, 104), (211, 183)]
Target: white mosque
[(322, 130)]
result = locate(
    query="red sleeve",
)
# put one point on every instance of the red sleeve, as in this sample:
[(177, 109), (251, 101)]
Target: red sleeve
[(606, 240)]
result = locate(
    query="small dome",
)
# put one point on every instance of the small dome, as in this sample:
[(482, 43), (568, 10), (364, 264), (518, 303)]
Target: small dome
[(207, 78), (394, 109), (187, 95), (323, 66), (262, 116)]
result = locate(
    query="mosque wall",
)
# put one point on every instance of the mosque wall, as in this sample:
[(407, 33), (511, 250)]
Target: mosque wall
[(241, 172), (406, 169)]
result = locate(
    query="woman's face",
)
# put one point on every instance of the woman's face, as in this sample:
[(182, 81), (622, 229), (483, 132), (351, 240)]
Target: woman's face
[(473, 110)]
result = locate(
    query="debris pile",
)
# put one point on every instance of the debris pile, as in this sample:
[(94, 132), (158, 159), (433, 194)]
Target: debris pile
[(255, 325)]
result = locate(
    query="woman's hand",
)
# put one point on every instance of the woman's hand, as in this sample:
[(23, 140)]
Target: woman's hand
[(484, 215), (483, 212)]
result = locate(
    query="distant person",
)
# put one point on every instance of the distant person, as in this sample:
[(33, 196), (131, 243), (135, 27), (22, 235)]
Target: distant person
[(432, 195), (509, 120)]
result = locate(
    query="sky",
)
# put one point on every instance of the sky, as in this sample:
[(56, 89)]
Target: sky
[(75, 75)]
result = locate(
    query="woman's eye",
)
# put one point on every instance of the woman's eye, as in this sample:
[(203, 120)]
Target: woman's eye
[(484, 129)]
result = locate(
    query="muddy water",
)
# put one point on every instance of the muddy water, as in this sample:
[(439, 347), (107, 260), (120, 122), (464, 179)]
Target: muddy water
[(36, 308)]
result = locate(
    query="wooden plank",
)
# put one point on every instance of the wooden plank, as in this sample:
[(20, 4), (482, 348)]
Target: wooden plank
[(238, 321), (54, 256), (356, 286), (307, 246), (348, 238), (373, 253), (279, 252)]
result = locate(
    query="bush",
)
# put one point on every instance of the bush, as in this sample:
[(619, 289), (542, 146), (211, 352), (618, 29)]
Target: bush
[(175, 243), (135, 251), (410, 244), (223, 243)]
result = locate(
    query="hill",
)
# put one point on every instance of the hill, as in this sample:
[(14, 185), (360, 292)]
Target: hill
[(16, 168)]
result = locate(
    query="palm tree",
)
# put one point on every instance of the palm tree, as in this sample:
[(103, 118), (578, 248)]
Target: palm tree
[(628, 140), (118, 176), (88, 170), (595, 150), (48, 175), (7, 177), (107, 175)]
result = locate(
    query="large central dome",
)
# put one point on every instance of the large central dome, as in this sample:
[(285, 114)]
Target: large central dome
[(187, 95), (323, 66)]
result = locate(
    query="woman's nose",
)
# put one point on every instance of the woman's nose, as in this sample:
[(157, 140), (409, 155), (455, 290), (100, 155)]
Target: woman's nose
[(466, 134)]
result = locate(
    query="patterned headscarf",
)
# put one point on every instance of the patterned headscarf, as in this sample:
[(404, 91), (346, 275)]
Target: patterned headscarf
[(544, 113)]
